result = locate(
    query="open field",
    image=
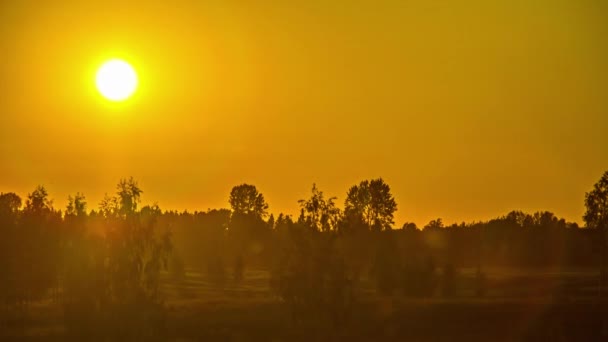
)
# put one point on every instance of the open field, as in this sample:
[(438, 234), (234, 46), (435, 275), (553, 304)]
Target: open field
[(502, 283), (519, 305)]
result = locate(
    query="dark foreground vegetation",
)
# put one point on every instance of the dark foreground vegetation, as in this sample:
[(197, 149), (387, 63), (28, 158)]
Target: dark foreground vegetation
[(121, 272)]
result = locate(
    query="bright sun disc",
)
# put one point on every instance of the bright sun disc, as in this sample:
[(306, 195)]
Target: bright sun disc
[(116, 80)]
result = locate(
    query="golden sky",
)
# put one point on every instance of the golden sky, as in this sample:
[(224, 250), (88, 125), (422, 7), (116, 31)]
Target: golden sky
[(468, 109)]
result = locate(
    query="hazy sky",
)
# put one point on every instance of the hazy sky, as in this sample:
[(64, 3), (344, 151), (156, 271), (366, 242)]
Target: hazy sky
[(468, 109)]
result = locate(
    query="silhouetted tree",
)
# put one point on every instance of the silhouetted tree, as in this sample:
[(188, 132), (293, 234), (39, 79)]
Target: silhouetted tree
[(245, 199), (129, 195), (126, 293), (596, 217), (248, 233), (518, 218), (409, 226), (77, 206), (270, 222), (372, 203), (10, 249), (36, 247), (108, 263), (9, 203), (38, 201), (319, 213), (109, 206), (434, 224)]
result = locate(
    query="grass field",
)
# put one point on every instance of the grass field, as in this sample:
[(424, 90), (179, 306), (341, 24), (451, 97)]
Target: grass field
[(552, 305)]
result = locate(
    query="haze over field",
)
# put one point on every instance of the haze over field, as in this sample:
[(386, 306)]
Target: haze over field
[(468, 109)]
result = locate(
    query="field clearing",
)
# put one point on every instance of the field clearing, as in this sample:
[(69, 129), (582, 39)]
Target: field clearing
[(502, 284), (519, 305)]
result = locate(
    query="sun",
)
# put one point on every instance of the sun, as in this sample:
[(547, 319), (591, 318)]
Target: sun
[(116, 80)]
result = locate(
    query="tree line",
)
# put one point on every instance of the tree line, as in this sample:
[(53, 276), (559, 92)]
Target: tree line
[(104, 266)]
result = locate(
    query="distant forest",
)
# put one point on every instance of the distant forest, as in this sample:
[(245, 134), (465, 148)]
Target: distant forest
[(107, 264)]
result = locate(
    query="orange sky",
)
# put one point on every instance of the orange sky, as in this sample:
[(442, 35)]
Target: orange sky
[(468, 109)]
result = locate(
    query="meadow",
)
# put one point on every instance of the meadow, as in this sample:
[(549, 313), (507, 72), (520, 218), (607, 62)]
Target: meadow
[(519, 305)]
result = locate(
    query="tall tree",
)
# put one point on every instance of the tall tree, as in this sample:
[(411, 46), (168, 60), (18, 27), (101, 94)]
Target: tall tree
[(137, 247), (596, 203), (9, 203), (108, 207), (245, 199), (596, 217), (38, 243), (248, 233), (38, 201), (129, 194), (77, 206), (319, 213), (11, 267), (371, 202)]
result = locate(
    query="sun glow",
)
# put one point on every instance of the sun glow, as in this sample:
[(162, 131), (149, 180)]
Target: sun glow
[(116, 80)]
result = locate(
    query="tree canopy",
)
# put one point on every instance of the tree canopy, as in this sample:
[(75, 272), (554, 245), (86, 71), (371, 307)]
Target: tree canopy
[(372, 203), (245, 199)]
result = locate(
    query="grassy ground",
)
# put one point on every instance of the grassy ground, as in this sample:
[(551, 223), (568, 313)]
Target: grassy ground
[(519, 305)]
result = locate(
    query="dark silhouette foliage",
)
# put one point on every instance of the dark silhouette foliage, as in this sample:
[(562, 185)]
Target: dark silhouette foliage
[(372, 203), (112, 283), (596, 217), (319, 213), (110, 270), (246, 200), (311, 280)]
